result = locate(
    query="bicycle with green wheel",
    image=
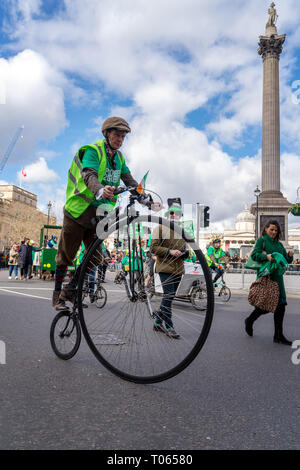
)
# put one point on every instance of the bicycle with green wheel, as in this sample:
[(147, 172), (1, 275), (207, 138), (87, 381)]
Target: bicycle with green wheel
[(221, 290), (121, 334)]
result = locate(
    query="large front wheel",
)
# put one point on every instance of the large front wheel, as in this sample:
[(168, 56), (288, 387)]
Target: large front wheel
[(123, 334)]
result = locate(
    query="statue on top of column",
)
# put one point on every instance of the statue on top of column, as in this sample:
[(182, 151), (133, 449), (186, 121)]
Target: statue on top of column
[(272, 15)]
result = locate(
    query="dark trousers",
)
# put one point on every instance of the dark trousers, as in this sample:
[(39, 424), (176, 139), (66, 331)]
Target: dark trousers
[(71, 236), (102, 271), (278, 317), (169, 284), (218, 272), (26, 270)]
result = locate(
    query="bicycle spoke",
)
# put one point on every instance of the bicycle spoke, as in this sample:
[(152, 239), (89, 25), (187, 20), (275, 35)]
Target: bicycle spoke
[(122, 334)]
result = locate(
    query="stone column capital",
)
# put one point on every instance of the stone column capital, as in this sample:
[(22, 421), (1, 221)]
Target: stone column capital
[(270, 46)]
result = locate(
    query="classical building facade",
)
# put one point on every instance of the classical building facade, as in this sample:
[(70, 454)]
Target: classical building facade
[(243, 235), (19, 216)]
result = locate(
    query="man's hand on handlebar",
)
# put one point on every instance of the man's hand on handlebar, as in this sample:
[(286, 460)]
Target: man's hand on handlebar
[(108, 192), (155, 206)]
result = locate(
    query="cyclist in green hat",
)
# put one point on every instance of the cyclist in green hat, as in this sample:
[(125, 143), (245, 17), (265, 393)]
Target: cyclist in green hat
[(170, 253)]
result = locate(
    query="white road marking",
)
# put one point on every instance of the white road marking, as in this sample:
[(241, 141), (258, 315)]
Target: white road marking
[(24, 288), (21, 293)]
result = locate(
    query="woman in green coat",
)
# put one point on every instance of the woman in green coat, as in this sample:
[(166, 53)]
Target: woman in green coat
[(267, 244)]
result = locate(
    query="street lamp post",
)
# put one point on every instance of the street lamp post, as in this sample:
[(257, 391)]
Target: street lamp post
[(48, 220), (256, 194)]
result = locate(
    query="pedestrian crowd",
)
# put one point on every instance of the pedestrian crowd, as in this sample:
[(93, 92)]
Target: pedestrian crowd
[(19, 259), (237, 262)]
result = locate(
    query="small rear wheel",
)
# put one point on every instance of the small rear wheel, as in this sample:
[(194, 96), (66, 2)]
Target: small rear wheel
[(65, 335), (225, 294), (199, 298), (100, 297)]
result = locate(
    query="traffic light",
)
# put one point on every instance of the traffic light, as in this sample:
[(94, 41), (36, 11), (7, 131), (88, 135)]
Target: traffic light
[(206, 216)]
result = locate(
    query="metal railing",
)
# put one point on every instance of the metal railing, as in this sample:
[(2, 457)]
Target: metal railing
[(114, 267), (239, 278), (239, 267)]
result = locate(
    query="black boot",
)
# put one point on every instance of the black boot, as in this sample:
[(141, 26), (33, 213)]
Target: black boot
[(282, 340), (257, 312), (278, 324)]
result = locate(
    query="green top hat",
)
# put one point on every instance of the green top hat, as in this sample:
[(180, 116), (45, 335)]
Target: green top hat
[(174, 208)]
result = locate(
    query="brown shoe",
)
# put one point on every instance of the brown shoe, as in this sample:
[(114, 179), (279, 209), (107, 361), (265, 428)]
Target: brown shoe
[(68, 294), (172, 333), (57, 303), (160, 328)]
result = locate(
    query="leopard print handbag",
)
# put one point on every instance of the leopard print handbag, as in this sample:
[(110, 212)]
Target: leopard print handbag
[(264, 294)]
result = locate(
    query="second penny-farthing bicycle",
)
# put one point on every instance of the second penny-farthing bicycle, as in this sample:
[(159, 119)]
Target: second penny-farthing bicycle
[(121, 334)]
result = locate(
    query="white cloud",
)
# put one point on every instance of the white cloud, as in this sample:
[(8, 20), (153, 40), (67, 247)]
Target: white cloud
[(34, 98), (183, 163), (38, 172), (166, 65), (167, 72)]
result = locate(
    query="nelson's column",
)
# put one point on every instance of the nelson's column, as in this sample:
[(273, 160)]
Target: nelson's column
[(271, 202)]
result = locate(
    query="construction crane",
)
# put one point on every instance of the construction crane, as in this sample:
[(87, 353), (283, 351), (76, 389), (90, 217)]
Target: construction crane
[(5, 157)]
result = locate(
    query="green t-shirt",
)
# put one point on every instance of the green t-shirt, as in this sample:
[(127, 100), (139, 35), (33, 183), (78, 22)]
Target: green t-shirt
[(111, 176), (125, 260), (218, 254)]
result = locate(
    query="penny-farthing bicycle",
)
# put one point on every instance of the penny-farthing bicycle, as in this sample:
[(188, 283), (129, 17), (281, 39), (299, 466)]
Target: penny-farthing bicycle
[(121, 334)]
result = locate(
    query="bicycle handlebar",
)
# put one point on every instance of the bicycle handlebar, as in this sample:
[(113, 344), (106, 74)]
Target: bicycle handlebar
[(123, 189), (139, 196)]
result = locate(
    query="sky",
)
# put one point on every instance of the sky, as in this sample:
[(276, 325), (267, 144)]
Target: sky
[(184, 73)]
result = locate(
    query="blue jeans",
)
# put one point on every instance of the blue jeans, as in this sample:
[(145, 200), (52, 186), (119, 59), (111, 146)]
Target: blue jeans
[(170, 283), (218, 272), (91, 280), (11, 268)]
